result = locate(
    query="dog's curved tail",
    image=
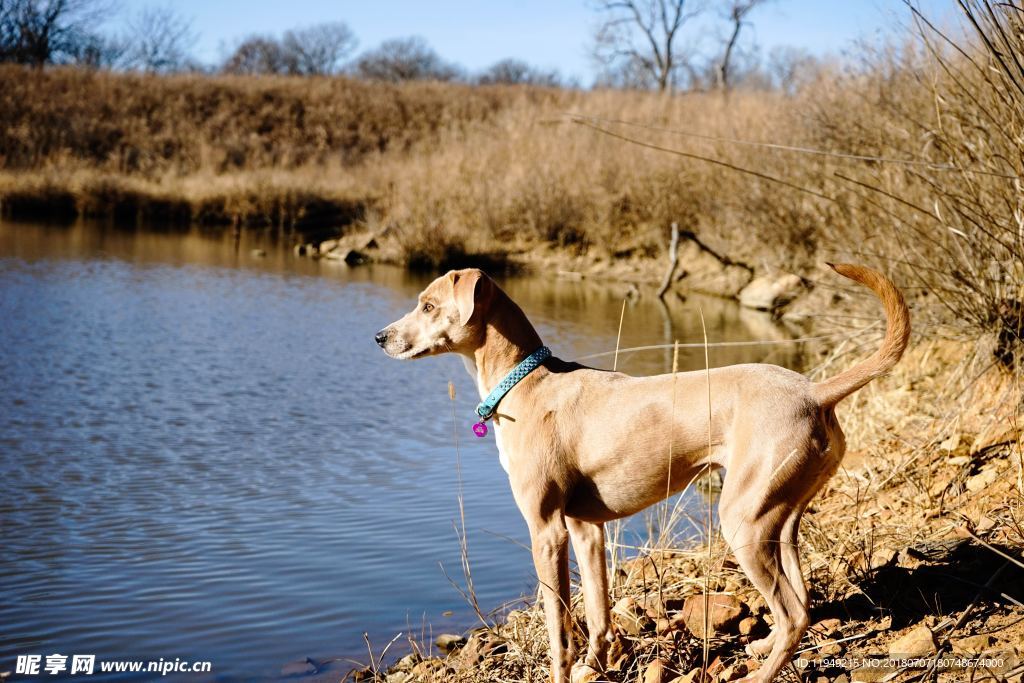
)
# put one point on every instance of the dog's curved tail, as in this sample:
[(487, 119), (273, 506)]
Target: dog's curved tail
[(897, 334)]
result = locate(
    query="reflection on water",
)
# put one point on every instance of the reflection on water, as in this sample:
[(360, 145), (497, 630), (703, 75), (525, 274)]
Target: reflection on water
[(204, 455)]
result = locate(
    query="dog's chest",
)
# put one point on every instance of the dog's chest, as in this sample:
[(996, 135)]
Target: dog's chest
[(483, 391), (502, 455)]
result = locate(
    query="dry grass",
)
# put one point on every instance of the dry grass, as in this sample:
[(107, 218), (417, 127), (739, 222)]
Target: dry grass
[(451, 171)]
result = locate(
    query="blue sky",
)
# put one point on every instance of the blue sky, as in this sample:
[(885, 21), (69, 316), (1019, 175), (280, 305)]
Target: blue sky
[(552, 34)]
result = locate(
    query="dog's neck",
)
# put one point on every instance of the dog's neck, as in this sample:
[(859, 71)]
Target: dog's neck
[(508, 338)]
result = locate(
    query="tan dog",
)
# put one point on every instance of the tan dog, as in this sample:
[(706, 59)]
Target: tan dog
[(586, 446)]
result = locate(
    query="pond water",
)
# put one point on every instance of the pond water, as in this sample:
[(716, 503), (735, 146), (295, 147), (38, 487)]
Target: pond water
[(205, 456)]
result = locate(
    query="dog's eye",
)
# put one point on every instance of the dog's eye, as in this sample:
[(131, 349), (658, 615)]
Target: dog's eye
[(428, 307)]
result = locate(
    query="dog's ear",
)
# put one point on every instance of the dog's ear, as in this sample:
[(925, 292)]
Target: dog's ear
[(470, 288)]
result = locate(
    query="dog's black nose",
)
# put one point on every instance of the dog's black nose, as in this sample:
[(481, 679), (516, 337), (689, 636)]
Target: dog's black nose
[(381, 337)]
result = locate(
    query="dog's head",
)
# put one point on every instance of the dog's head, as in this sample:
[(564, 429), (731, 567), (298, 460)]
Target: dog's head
[(449, 316)]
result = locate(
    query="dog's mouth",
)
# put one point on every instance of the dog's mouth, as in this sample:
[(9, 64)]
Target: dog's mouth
[(401, 347), (409, 352), (405, 351)]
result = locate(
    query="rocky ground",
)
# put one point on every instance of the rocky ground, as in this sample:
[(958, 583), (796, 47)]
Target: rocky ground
[(914, 555)]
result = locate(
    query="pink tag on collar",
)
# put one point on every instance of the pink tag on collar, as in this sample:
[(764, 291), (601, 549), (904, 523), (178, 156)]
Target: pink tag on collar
[(480, 429)]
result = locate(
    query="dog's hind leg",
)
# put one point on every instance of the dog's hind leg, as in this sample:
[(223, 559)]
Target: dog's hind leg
[(791, 554), (791, 567), (588, 543), (756, 544)]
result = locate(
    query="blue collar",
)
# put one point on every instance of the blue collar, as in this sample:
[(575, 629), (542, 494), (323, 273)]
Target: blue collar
[(487, 407)]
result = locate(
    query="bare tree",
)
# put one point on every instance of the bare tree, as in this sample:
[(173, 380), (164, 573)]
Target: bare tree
[(97, 51), (39, 32), (790, 68), (638, 37), (405, 59), (518, 72), (257, 55), (159, 40), (318, 50), (737, 11)]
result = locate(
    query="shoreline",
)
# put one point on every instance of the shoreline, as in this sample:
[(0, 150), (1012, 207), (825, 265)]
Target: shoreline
[(696, 269), (692, 268)]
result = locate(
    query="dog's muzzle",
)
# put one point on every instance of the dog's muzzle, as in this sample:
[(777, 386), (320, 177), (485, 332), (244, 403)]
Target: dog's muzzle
[(381, 338)]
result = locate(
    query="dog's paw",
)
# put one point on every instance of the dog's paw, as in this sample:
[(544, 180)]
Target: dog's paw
[(582, 673)]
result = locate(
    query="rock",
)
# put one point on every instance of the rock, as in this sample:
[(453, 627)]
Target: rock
[(974, 645), (658, 606), (882, 557), (826, 629), (581, 673), (654, 672), (725, 613), (771, 292), (870, 674), (907, 559), (408, 662), (918, 641), (481, 645), (995, 434), (982, 480), (857, 561), (734, 672), (447, 642), (706, 272), (758, 605), (692, 676), (748, 626), (350, 249), (300, 667), (618, 653), (427, 667), (630, 617), (354, 257), (951, 443), (716, 667)]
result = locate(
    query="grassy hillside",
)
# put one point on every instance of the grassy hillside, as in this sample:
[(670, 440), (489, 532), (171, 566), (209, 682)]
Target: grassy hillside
[(909, 158)]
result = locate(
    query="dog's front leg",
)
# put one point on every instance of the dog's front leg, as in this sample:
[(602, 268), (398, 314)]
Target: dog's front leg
[(588, 542), (550, 541)]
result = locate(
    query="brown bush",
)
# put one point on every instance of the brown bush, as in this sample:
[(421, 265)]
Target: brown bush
[(931, 191)]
